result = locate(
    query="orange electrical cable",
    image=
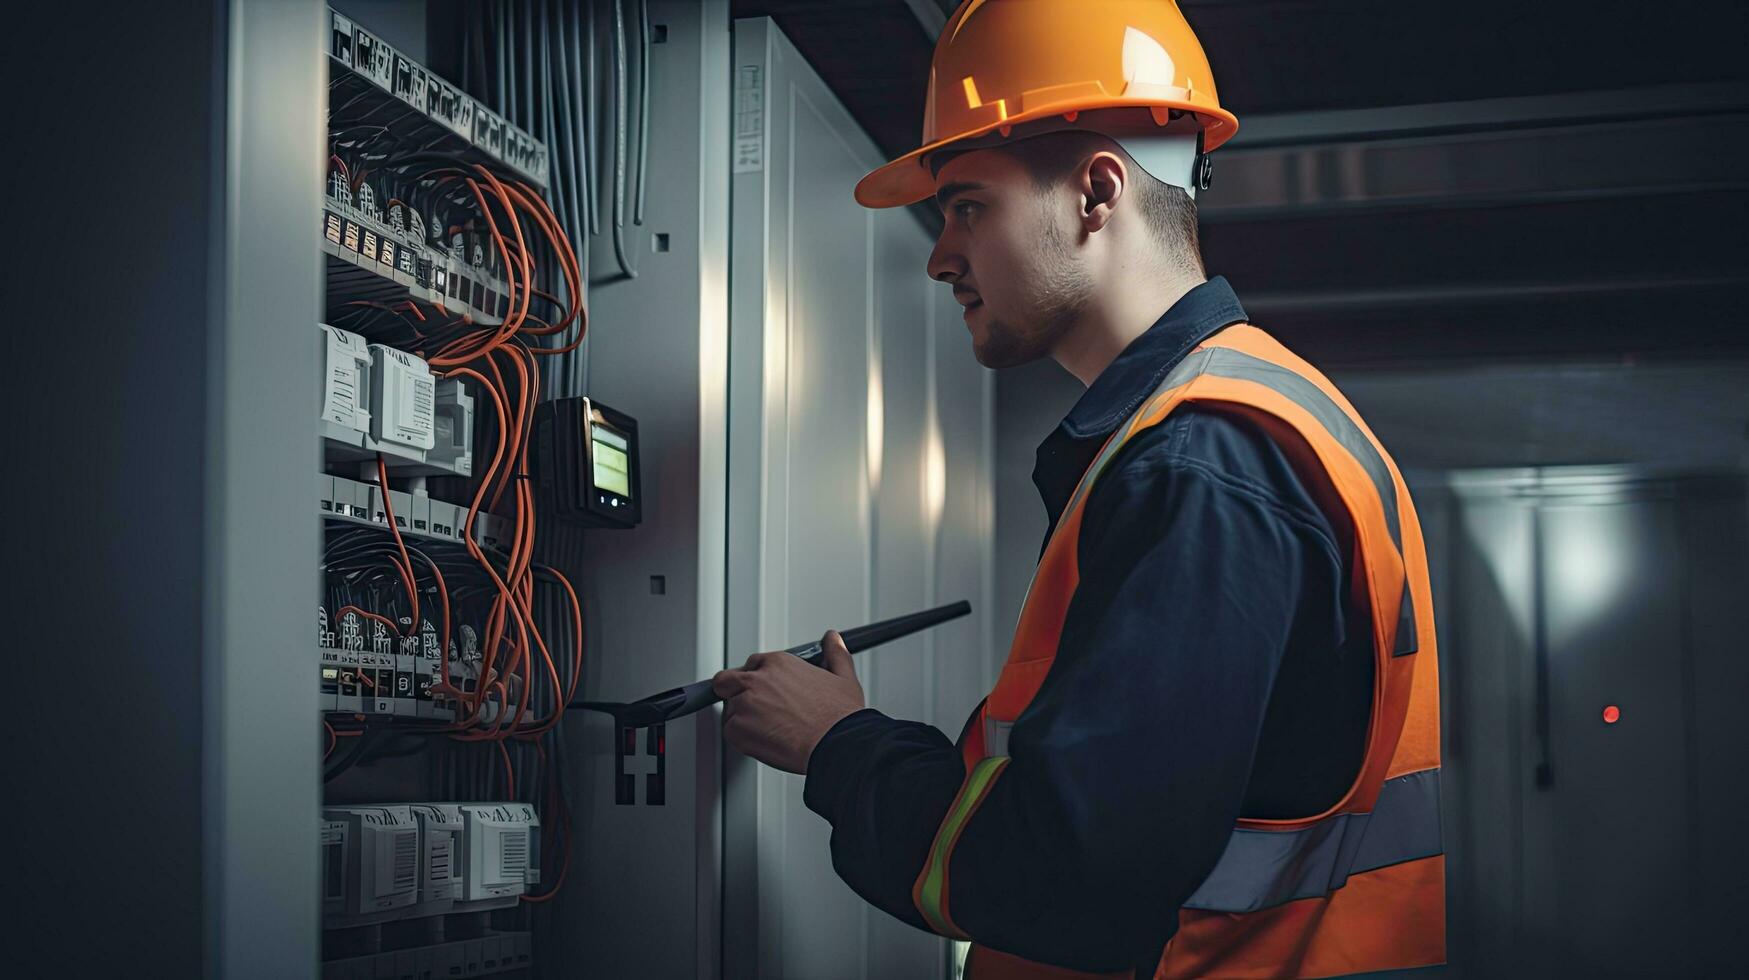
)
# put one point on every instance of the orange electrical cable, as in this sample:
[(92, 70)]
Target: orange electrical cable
[(512, 638), (558, 803), (376, 617), (406, 565), (474, 511)]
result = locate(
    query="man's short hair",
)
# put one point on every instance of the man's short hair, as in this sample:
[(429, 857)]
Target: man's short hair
[(1169, 212)]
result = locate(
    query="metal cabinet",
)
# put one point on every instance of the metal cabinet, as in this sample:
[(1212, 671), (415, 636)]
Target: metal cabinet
[(1585, 840), (859, 487)]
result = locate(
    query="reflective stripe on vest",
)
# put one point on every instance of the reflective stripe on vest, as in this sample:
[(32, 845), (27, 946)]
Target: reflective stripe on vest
[(1263, 868), (1224, 362), (1385, 832)]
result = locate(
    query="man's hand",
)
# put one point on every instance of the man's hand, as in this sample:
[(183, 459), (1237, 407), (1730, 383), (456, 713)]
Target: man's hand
[(779, 706)]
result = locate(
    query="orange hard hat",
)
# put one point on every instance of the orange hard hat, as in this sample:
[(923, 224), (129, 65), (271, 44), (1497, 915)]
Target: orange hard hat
[(1003, 63)]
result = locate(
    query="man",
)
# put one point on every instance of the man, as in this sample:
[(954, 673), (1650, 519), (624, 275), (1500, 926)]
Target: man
[(1213, 750)]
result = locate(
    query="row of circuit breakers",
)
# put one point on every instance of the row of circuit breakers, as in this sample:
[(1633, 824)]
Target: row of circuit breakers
[(392, 862), (482, 956), (381, 674)]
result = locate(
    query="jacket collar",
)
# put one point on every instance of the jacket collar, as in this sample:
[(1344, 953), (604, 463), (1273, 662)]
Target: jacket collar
[(1125, 383)]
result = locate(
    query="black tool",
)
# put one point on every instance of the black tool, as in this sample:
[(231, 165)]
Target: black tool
[(682, 701)]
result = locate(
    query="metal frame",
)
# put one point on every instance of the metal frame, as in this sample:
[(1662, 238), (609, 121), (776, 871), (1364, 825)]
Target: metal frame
[(261, 777)]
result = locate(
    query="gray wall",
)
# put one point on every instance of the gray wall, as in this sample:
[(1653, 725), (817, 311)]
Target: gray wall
[(643, 893)]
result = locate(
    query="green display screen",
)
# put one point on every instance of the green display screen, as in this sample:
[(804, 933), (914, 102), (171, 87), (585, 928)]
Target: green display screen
[(612, 467)]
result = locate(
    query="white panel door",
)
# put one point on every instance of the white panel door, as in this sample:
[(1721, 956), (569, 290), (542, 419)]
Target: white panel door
[(859, 463)]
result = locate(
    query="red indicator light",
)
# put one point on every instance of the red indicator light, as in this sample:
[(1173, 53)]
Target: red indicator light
[(1611, 714)]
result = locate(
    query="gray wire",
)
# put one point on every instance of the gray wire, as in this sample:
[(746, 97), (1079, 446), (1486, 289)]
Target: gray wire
[(556, 187), (622, 81), (512, 107), (585, 44), (530, 112), (554, 112), (498, 40), (566, 171), (591, 124), (643, 107)]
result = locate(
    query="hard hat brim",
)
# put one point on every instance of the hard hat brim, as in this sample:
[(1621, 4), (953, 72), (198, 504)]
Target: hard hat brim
[(907, 180)]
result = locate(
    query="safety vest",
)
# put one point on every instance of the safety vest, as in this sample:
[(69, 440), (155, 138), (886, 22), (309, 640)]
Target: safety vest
[(1358, 888)]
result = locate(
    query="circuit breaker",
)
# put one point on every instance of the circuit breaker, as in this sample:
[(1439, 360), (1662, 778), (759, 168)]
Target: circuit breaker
[(502, 850), (336, 851), (380, 863), (453, 428), (403, 399), (389, 863), (440, 869), (346, 365)]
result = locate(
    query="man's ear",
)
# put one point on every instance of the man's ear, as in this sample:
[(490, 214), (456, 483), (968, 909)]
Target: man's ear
[(1104, 179)]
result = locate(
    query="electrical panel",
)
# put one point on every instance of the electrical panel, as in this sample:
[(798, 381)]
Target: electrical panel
[(445, 656)]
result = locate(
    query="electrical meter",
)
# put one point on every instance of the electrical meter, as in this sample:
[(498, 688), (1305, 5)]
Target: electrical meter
[(587, 462)]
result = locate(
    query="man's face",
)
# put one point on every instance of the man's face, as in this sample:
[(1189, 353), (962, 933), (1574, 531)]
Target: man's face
[(1007, 248)]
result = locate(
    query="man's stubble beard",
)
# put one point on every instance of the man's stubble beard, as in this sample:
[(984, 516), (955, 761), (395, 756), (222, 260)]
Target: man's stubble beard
[(1063, 292)]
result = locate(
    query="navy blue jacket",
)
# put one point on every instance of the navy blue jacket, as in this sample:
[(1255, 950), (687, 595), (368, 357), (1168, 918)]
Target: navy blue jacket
[(1205, 673)]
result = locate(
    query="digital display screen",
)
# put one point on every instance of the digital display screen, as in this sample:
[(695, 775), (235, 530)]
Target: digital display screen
[(612, 464)]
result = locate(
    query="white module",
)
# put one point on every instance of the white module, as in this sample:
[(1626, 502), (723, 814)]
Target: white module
[(336, 848), (440, 857), (502, 844), (346, 364), (382, 860), (403, 400), (453, 443)]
